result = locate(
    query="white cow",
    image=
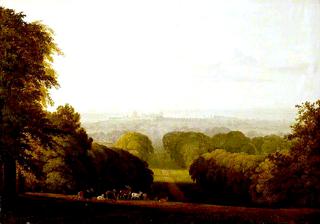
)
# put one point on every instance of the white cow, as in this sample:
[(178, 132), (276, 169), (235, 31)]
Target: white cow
[(101, 197), (136, 196)]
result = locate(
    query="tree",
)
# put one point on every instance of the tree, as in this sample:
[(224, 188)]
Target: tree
[(222, 172), (184, 147), (67, 167), (116, 168), (219, 140), (136, 143), (257, 142), (273, 143), (292, 177), (249, 149), (235, 140), (26, 75), (232, 141)]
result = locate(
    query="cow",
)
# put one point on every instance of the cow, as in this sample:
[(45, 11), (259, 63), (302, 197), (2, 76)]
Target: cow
[(111, 195), (136, 196), (125, 194), (101, 197)]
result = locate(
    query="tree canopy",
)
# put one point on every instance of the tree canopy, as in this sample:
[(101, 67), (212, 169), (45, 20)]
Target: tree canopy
[(73, 163), (26, 76), (225, 172), (184, 147), (136, 143), (116, 168), (292, 177)]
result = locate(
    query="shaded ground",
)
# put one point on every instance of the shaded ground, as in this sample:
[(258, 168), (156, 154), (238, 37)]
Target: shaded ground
[(170, 182), (51, 208), (177, 185)]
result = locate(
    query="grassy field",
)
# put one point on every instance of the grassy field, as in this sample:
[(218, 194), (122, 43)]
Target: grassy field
[(172, 176)]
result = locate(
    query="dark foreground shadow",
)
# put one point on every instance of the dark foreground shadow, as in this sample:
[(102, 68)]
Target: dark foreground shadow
[(42, 208)]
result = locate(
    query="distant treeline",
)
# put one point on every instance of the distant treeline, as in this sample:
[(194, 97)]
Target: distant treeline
[(184, 147)]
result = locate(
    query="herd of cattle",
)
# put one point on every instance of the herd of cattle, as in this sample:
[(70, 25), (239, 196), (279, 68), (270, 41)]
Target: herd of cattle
[(123, 194)]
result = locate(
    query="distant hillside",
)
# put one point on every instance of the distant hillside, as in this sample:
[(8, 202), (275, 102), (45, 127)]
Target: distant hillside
[(109, 130)]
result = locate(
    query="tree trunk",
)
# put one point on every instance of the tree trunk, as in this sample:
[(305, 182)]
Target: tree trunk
[(7, 184)]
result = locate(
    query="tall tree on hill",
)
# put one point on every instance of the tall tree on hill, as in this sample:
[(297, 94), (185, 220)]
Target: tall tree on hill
[(26, 75), (292, 177)]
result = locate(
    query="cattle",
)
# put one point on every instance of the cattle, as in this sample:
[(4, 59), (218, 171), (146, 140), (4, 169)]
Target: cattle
[(163, 199), (89, 193), (125, 194), (101, 197), (81, 195), (111, 195), (137, 196)]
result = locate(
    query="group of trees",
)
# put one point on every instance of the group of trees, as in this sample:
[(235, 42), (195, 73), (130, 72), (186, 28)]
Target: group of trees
[(184, 147), (283, 177), (74, 163), (136, 143), (54, 153), (223, 172), (293, 177), (63, 165), (117, 168), (26, 75), (236, 141), (50, 150)]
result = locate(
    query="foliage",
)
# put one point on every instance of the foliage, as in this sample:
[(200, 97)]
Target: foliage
[(116, 168), (225, 172), (51, 148), (65, 166), (136, 143), (233, 141), (293, 177), (26, 75), (236, 141), (184, 147), (162, 160), (76, 164), (273, 143)]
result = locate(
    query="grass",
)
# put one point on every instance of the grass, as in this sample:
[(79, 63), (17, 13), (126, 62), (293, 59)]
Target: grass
[(50, 208), (172, 176)]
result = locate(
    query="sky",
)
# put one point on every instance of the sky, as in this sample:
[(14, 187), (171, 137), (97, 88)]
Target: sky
[(151, 56)]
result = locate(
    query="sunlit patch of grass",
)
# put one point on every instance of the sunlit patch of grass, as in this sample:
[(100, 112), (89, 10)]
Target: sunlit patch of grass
[(176, 176)]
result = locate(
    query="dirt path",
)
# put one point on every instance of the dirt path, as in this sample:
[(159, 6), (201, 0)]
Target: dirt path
[(172, 186)]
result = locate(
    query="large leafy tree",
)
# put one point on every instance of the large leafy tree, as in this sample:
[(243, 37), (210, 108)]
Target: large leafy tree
[(67, 167), (292, 177), (26, 75), (184, 147), (136, 143), (116, 168), (223, 172)]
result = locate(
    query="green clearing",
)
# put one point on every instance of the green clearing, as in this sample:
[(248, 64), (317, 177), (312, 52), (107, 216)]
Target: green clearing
[(172, 176)]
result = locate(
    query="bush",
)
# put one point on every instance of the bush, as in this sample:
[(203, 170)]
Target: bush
[(224, 172)]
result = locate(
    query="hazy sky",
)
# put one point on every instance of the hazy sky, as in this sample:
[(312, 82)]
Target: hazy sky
[(125, 55)]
